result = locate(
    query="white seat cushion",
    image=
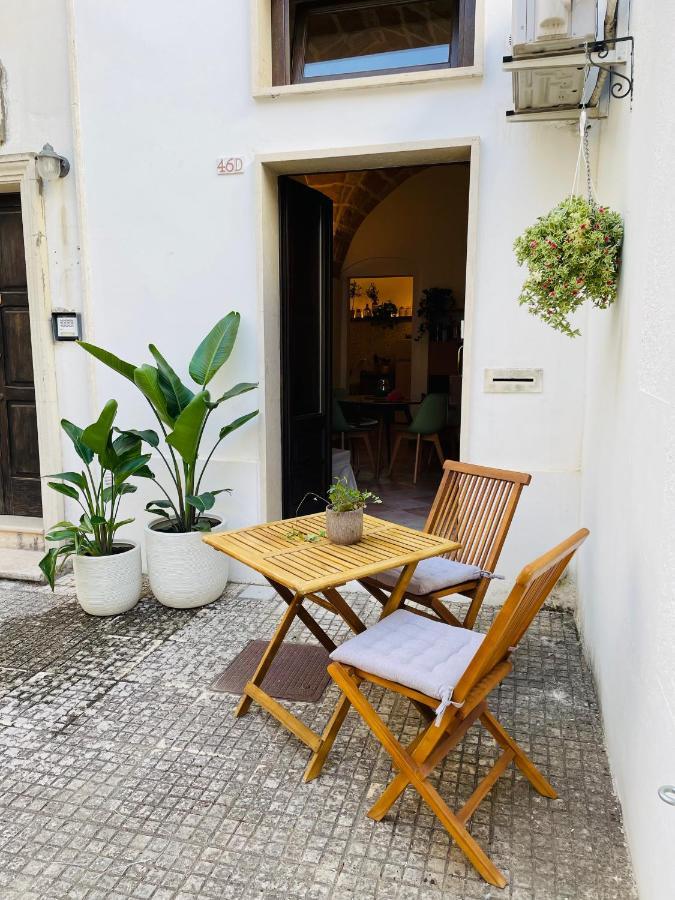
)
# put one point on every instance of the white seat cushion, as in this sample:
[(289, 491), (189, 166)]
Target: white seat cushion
[(433, 575), (413, 651)]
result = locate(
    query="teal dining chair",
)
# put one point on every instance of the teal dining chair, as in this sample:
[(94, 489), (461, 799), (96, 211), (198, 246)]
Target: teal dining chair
[(427, 424), (350, 433)]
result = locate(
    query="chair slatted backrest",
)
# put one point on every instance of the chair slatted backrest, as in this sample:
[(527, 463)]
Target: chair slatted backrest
[(474, 505), (531, 589)]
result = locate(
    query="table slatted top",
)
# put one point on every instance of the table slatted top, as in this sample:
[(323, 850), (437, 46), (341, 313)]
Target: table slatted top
[(279, 551)]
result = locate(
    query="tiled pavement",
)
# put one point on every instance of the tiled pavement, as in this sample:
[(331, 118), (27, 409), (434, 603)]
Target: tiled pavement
[(122, 775)]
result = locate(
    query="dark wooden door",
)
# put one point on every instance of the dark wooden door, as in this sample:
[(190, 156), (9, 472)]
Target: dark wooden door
[(306, 261), (19, 459)]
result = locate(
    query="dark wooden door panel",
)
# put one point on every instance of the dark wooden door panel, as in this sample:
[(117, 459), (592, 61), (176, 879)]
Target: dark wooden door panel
[(23, 439), (12, 253), (19, 457), (306, 259), (18, 364)]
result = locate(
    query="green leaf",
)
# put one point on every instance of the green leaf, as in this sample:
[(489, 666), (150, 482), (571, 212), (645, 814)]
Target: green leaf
[(215, 349), (242, 420), (48, 562), (121, 524), (114, 362), (86, 524), (154, 508), (204, 501), (75, 435), (187, 432), (62, 534), (148, 436), (202, 525), (144, 472), (127, 444), (130, 467), (126, 488), (97, 436), (98, 520), (242, 388), (73, 477), (146, 379), (64, 489), (176, 393)]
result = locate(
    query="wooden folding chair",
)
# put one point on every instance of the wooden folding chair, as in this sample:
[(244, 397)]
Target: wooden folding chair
[(474, 505), (464, 705)]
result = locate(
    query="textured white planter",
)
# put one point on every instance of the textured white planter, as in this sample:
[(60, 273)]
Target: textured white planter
[(184, 572), (109, 585), (344, 527)]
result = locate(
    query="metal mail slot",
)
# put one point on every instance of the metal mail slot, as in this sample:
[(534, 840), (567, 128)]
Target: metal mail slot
[(513, 381)]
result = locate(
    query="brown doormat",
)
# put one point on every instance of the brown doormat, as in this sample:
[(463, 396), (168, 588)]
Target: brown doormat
[(298, 672)]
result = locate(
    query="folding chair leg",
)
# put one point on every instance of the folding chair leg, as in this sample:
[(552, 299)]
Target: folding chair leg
[(369, 451), (429, 756), (394, 452), (439, 450), (524, 763), (417, 457), (405, 763)]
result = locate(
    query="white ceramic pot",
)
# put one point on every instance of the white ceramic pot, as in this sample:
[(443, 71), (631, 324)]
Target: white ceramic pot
[(185, 572), (344, 527), (109, 585)]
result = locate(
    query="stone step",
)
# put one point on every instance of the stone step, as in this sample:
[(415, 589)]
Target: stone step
[(21, 533), (21, 565)]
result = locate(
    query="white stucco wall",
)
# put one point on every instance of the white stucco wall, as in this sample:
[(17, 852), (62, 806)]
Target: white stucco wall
[(167, 246), (627, 574)]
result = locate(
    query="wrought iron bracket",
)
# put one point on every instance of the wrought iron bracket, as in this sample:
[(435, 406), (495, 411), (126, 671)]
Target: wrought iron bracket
[(620, 85)]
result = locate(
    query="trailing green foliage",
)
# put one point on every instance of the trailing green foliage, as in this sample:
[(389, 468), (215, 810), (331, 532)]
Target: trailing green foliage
[(573, 255), (182, 415), (98, 489), (344, 498)]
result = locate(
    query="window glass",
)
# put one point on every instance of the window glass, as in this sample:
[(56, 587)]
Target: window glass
[(377, 37)]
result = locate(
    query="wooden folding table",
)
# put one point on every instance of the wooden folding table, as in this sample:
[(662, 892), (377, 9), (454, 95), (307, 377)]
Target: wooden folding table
[(302, 565)]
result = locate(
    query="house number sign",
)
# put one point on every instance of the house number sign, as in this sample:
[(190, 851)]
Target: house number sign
[(230, 165)]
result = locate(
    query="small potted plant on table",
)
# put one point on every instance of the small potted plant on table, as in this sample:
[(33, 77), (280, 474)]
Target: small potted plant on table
[(344, 515), (184, 572), (107, 572)]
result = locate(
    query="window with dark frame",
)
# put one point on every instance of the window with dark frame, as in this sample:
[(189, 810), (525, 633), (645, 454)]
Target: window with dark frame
[(319, 40)]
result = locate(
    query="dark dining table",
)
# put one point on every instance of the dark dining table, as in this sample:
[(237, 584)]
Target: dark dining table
[(384, 411)]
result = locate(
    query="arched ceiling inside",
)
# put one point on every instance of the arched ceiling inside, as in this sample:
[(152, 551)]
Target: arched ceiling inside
[(354, 196)]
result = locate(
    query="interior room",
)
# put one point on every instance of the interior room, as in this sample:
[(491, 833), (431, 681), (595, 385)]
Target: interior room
[(397, 299)]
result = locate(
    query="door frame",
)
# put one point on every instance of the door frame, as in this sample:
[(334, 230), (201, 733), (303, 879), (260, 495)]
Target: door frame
[(268, 167), (18, 173)]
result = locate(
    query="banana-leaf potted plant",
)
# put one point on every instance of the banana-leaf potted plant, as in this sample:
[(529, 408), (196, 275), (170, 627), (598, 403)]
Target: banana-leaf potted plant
[(107, 571), (344, 514), (184, 572)]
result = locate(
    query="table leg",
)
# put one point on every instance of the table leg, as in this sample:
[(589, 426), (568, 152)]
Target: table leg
[(345, 611), (269, 654)]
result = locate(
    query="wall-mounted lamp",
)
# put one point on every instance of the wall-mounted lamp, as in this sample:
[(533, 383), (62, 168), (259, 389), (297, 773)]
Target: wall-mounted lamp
[(50, 165)]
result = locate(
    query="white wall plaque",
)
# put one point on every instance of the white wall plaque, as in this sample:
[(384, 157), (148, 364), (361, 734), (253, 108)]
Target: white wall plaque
[(513, 381)]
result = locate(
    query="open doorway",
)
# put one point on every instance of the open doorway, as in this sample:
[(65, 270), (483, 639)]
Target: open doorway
[(373, 269)]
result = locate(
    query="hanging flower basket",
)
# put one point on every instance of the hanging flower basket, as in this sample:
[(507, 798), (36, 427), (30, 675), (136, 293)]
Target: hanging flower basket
[(573, 255)]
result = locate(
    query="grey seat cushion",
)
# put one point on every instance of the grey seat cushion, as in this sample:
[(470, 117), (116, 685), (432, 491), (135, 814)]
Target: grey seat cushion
[(413, 651), (433, 575)]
